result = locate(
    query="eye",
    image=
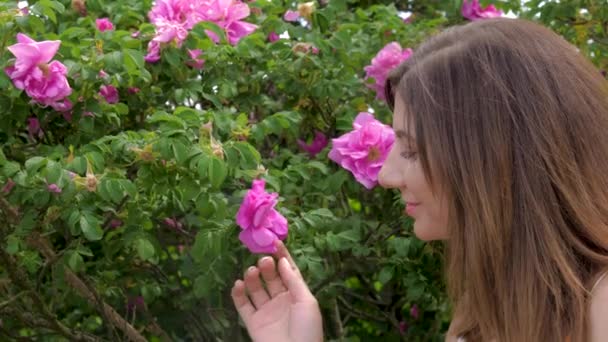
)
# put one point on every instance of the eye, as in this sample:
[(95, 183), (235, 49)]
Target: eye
[(409, 155)]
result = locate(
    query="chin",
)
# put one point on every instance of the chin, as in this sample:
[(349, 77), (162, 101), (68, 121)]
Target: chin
[(426, 233)]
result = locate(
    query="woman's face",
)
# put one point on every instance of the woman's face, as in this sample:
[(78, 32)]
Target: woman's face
[(402, 170)]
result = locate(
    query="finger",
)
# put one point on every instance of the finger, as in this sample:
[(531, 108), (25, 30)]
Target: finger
[(282, 252), (241, 301), (274, 284), (256, 291), (295, 284)]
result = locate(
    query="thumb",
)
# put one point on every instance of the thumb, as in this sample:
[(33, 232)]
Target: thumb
[(294, 283)]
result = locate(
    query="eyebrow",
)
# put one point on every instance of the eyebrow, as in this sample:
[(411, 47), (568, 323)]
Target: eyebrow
[(404, 135)]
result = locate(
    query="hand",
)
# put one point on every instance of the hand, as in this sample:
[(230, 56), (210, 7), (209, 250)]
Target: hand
[(284, 311)]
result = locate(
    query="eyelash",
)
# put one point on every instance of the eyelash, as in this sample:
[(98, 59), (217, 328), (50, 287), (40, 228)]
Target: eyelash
[(409, 155)]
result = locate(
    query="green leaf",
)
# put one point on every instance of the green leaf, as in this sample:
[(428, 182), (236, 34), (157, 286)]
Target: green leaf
[(97, 160), (250, 157), (28, 222), (78, 165), (180, 152), (203, 286), (34, 164), (12, 244), (386, 274), (144, 248), (203, 166), (134, 61), (10, 169), (115, 190), (129, 187), (75, 261), (90, 227), (217, 172), (53, 172)]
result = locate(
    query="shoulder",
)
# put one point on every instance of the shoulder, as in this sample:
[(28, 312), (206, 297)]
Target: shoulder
[(598, 311)]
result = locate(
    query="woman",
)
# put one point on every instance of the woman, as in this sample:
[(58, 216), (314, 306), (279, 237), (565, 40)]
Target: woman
[(502, 151)]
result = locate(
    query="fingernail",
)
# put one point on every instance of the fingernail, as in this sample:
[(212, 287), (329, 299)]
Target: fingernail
[(265, 258), (251, 269)]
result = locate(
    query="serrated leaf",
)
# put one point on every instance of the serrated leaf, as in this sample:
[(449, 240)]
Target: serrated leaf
[(75, 261), (203, 166), (144, 248), (34, 164), (180, 152), (115, 190), (217, 172), (386, 274), (134, 61), (10, 169), (53, 172), (90, 228), (202, 286)]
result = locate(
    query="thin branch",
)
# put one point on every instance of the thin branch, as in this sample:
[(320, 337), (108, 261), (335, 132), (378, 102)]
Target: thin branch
[(358, 313), (44, 246), (19, 278), (11, 300)]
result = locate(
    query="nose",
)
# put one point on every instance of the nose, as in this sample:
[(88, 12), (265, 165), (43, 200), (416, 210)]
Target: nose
[(390, 175)]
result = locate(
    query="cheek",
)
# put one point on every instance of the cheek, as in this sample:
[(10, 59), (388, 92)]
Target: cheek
[(431, 224)]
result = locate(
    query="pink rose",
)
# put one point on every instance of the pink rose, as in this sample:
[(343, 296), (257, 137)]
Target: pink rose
[(273, 37), (260, 222), (48, 85), (363, 150), (133, 90), (153, 55), (228, 15), (136, 303), (386, 60), (172, 223), (109, 93), (291, 16), (104, 24), (473, 10), (33, 128), (115, 223), (54, 188), (42, 79), (63, 106), (30, 54), (195, 62), (316, 146), (403, 327), (414, 312), (168, 31)]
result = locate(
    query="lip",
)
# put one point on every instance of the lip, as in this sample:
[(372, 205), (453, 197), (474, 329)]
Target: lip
[(410, 208)]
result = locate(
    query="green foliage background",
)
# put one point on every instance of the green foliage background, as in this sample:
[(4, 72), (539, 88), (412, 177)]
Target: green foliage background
[(153, 161)]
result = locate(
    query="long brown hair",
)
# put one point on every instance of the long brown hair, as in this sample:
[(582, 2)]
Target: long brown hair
[(511, 123)]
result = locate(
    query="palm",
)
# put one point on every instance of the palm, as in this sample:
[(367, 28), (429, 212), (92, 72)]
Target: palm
[(279, 317), (283, 310)]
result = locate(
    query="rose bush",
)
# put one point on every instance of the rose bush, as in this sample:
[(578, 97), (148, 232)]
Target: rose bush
[(139, 140)]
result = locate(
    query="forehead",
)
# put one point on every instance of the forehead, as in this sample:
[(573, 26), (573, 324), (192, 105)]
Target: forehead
[(402, 121)]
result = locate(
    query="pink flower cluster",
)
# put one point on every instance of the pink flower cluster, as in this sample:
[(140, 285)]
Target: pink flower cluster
[(473, 10), (260, 222), (316, 146), (104, 24), (363, 150), (387, 59), (173, 20), (42, 79)]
